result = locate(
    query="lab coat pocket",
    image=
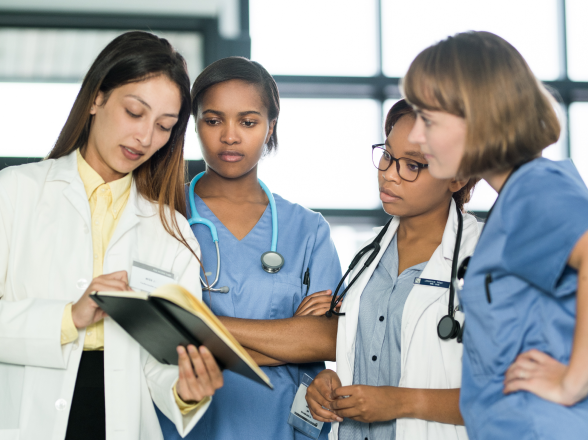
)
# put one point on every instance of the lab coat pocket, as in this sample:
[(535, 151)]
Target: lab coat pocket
[(9, 434), (287, 291)]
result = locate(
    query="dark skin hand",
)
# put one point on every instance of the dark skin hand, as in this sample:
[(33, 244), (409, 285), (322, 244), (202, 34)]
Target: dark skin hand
[(316, 304), (369, 404)]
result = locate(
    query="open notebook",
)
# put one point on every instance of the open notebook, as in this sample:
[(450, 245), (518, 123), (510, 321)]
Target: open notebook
[(171, 316)]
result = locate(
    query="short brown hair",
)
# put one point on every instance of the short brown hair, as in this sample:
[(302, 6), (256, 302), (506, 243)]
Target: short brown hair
[(482, 78), (399, 110)]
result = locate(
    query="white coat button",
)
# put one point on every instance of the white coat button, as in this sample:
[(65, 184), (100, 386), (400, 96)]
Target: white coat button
[(61, 404), (75, 346), (86, 230), (82, 284)]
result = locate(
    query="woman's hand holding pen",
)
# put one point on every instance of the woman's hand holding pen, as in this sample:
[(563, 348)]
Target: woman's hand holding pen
[(200, 375), (316, 304), (85, 311)]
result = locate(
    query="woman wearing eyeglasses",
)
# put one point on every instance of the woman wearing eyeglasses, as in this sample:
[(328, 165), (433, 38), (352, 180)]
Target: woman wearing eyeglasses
[(396, 378)]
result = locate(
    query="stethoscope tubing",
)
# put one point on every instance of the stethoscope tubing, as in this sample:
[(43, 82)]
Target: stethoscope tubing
[(272, 204), (195, 218)]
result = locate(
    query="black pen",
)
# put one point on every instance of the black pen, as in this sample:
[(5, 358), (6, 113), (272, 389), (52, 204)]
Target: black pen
[(306, 280)]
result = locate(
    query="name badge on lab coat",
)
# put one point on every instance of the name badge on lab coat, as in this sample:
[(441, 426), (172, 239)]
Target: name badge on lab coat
[(148, 278), (300, 417), (433, 283)]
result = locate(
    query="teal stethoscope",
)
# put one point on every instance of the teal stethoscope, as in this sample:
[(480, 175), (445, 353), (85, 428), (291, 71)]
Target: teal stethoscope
[(271, 261)]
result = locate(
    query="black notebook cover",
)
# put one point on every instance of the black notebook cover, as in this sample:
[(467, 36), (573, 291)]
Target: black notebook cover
[(160, 326)]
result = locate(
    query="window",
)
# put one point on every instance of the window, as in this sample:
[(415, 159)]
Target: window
[(309, 37), (324, 154), (408, 27)]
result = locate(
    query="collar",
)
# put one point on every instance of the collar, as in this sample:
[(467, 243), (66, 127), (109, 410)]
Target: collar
[(65, 169), (119, 189)]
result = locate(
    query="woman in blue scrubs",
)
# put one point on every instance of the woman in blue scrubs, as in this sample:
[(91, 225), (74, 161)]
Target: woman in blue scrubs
[(236, 105), (482, 112)]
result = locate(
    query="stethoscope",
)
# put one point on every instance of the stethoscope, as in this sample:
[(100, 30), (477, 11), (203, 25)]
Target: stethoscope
[(448, 327), (271, 261)]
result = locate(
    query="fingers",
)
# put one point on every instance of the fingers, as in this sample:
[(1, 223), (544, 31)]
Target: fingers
[(316, 305), (321, 414), (214, 371), (115, 281), (188, 387), (343, 403), (199, 374), (318, 405), (106, 285), (532, 385), (318, 398), (311, 299), (316, 310), (536, 356), (345, 391), (202, 377)]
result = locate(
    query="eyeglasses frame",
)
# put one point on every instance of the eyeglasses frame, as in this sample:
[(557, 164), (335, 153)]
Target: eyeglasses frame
[(397, 160)]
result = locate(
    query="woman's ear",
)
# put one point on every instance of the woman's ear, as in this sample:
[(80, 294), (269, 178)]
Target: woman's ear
[(271, 130), (97, 103), (456, 185)]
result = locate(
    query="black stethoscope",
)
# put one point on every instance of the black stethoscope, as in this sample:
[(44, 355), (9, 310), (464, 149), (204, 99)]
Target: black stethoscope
[(448, 327)]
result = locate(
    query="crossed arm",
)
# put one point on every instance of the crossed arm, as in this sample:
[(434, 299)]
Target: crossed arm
[(309, 336)]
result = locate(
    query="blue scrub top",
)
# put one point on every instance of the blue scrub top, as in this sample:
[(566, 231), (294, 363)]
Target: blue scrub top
[(530, 302), (244, 409)]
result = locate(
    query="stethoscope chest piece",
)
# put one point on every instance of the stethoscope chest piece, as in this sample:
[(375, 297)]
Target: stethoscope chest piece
[(272, 261), (448, 327)]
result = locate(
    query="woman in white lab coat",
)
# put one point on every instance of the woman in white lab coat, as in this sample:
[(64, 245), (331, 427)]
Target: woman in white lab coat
[(110, 193), (396, 378)]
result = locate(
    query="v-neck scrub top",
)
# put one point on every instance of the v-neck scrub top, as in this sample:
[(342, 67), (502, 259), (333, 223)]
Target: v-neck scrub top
[(519, 294), (243, 409)]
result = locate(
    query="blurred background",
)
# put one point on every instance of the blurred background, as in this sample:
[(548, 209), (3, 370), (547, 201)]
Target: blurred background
[(337, 64)]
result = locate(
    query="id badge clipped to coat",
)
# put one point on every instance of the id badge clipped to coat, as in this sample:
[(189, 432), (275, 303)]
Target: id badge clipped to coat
[(300, 418)]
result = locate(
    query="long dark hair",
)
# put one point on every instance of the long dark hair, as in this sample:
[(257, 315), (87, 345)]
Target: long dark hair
[(402, 109), (133, 57), (246, 70)]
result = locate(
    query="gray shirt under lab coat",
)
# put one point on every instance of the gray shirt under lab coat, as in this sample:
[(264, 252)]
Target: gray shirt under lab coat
[(377, 344)]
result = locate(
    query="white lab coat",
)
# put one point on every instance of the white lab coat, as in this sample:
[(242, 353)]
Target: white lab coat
[(46, 263), (426, 360)]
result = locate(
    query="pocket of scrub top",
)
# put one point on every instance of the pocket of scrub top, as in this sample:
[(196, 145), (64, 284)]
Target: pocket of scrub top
[(286, 295), (494, 324)]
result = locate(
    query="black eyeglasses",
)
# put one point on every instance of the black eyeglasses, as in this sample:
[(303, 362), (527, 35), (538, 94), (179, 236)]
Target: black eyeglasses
[(407, 169)]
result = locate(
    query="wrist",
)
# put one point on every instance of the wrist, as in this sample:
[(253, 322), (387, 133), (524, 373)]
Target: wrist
[(410, 402), (74, 316), (573, 388)]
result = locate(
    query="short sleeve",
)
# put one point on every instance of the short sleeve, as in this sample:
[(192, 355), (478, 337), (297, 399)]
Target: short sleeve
[(544, 214), (324, 264)]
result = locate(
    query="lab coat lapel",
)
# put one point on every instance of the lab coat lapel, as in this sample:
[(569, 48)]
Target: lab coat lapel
[(66, 169), (136, 207), (422, 296), (350, 304)]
